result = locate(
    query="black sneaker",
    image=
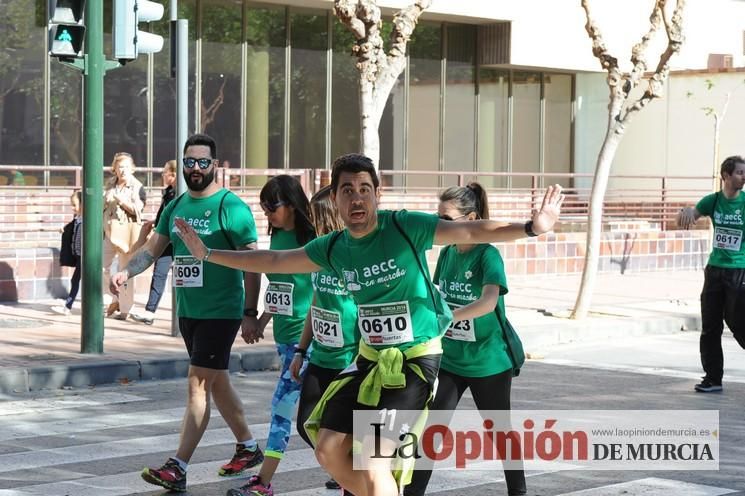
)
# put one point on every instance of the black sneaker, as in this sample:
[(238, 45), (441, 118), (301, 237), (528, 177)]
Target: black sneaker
[(708, 386)]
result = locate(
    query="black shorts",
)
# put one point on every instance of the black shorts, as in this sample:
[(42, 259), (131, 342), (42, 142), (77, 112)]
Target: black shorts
[(209, 341), (339, 413)]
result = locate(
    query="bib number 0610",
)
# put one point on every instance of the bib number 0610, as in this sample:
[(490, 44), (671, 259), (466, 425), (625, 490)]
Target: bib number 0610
[(388, 324)]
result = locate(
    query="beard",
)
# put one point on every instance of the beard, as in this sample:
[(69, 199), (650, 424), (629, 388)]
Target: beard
[(199, 184)]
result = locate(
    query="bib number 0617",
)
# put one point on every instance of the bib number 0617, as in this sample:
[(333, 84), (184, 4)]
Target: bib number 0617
[(388, 324)]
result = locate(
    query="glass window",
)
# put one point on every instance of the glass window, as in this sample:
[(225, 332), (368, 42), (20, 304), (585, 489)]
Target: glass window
[(460, 99), (526, 90), (164, 107), (558, 122), (309, 41), (265, 88), (22, 58), (493, 124), (65, 121), (425, 76), (345, 101), (220, 111)]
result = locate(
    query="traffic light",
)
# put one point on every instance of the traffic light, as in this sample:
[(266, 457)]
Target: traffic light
[(128, 40), (66, 28)]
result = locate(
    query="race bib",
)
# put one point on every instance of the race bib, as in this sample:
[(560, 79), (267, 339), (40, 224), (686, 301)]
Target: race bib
[(727, 239), (385, 323), (278, 298), (326, 327), (187, 272), (461, 330)]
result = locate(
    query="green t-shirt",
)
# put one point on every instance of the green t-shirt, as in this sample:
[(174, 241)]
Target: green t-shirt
[(334, 320), (727, 215), (288, 296), (205, 290), (381, 273), (472, 348)]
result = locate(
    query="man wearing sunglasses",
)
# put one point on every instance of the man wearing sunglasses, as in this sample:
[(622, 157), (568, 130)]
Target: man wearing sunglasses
[(211, 305)]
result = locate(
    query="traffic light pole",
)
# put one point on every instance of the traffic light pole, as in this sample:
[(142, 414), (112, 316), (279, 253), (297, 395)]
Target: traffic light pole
[(92, 319)]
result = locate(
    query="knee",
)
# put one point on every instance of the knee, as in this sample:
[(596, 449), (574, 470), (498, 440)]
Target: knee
[(326, 454)]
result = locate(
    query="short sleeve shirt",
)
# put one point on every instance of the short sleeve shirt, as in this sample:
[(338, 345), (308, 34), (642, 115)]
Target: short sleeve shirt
[(334, 320), (381, 272), (479, 349), (295, 289), (727, 216), (221, 295)]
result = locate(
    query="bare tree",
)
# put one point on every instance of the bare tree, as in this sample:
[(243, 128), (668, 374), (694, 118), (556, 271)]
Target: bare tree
[(378, 71), (621, 109)]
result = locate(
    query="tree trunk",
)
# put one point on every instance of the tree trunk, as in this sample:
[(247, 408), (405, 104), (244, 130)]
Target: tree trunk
[(369, 120), (595, 220)]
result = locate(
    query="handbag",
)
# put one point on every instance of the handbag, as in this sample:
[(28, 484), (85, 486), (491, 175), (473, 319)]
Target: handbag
[(123, 234), (512, 340)]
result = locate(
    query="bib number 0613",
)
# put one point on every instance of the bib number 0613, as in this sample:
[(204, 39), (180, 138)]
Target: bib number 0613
[(388, 324), (272, 298)]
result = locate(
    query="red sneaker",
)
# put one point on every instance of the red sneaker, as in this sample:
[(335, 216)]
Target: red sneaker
[(169, 476), (243, 459)]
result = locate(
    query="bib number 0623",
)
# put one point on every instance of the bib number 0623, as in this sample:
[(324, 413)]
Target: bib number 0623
[(387, 324), (187, 271)]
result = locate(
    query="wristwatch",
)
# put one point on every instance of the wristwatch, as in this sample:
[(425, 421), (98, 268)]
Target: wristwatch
[(250, 312)]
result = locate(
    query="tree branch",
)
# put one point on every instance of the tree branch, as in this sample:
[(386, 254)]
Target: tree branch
[(208, 114), (656, 87), (639, 51)]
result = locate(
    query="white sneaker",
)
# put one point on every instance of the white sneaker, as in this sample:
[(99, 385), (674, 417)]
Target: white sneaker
[(62, 310), (146, 317)]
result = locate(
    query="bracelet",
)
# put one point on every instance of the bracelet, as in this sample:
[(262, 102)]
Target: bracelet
[(300, 351), (250, 312), (529, 229), (207, 256)]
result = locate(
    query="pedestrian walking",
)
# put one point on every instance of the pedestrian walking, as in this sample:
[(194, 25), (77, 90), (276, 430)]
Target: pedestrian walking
[(124, 201), (211, 305), (71, 251), (381, 257), (163, 264), (330, 328), (723, 294), (475, 355), (286, 302)]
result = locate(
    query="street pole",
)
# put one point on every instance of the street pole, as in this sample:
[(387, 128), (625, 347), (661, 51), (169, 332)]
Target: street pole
[(91, 324), (180, 38)]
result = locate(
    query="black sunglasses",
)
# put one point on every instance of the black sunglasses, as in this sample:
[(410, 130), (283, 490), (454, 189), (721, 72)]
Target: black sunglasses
[(190, 162), (447, 217), (272, 207)]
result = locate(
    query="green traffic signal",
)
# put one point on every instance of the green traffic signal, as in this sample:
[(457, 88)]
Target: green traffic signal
[(67, 40)]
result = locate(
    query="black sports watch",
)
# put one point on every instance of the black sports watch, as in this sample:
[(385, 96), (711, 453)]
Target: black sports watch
[(250, 312)]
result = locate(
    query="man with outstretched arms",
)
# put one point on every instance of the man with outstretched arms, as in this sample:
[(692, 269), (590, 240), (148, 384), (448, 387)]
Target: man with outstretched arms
[(380, 257), (211, 305), (723, 294)]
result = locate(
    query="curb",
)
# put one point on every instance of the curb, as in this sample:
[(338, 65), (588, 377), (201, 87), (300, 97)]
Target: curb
[(23, 380)]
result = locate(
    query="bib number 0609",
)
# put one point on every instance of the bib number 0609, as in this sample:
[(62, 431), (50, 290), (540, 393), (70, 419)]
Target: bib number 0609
[(187, 271), (389, 324)]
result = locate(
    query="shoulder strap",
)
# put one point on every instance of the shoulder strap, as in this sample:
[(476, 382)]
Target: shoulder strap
[(222, 227), (334, 239), (416, 257)]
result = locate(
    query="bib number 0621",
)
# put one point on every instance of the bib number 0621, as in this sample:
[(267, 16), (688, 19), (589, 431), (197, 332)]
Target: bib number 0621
[(388, 324), (324, 328), (187, 271)]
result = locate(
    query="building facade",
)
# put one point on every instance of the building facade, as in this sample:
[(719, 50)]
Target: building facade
[(490, 86)]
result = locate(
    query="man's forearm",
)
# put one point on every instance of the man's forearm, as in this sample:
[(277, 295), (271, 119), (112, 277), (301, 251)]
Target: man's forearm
[(141, 260)]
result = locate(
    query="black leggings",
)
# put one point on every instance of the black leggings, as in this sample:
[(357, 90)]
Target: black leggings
[(723, 297), (489, 393), (315, 382)]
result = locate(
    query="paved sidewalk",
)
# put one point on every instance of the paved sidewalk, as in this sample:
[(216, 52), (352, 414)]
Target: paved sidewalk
[(41, 349)]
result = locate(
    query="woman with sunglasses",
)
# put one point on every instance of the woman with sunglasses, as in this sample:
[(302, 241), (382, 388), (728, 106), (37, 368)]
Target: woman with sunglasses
[(331, 325), (286, 301), (472, 281)]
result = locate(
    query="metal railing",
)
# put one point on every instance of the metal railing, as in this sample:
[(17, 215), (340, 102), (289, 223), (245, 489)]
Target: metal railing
[(654, 199)]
